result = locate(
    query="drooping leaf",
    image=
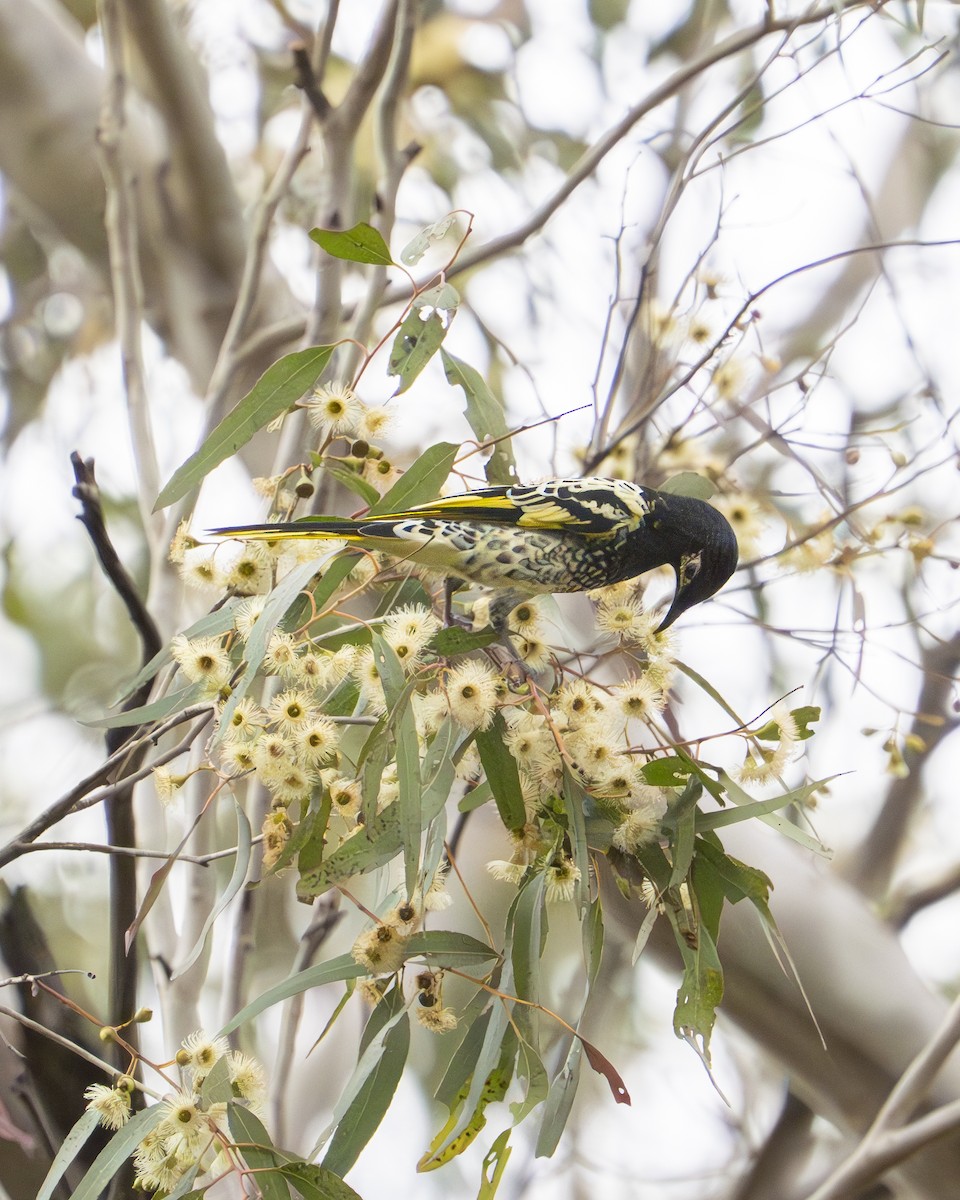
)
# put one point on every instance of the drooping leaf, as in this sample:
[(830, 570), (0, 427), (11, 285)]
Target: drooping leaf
[(603, 1066), (503, 775), (361, 244), (438, 769), (738, 880), (254, 1143), (529, 937), (237, 879), (371, 846), (279, 387), (116, 1152), (574, 800), (700, 991), (401, 720), (556, 1111), (370, 1090), (468, 1107), (71, 1146), (420, 482), (486, 417), (421, 333), (530, 1068), (333, 971), (494, 1164)]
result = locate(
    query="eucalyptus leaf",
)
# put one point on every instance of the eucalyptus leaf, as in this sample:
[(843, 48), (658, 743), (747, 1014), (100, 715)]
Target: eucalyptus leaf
[(421, 333), (254, 1143), (368, 1093), (689, 483), (237, 879), (116, 1152), (277, 389), (361, 244), (420, 482), (503, 775), (486, 417), (333, 971)]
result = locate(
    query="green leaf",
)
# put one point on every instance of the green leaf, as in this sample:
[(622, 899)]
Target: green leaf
[(157, 710), (707, 886), (372, 762), (502, 773), (403, 726), (420, 482), (279, 387), (116, 1152), (774, 819), (454, 640), (684, 814), (317, 1183), (468, 1110), (529, 938), (370, 847), (209, 624), (495, 1159), (333, 971), (258, 1152), (804, 717), (449, 949), (530, 1068), (369, 1092), (592, 939), (738, 880), (350, 480), (361, 244), (476, 797), (452, 1087), (671, 771), (438, 769), (688, 483), (700, 992), (421, 333), (73, 1143), (237, 880), (485, 416), (757, 808), (556, 1111), (574, 799)]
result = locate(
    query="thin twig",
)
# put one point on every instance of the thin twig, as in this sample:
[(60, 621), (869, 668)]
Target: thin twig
[(887, 1143), (69, 802)]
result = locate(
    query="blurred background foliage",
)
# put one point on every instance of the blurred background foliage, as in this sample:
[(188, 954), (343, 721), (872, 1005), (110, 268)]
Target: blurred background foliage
[(706, 236)]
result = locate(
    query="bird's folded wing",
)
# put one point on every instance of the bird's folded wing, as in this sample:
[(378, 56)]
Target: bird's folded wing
[(548, 507)]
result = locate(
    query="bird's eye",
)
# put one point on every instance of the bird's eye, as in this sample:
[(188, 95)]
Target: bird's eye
[(690, 568)]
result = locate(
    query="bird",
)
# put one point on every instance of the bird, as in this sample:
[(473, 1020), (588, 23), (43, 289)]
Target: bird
[(561, 535)]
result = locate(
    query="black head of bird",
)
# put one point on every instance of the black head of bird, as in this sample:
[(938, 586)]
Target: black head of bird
[(698, 543)]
